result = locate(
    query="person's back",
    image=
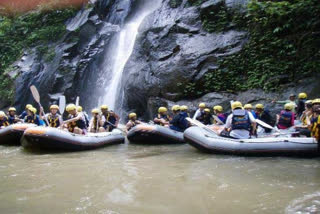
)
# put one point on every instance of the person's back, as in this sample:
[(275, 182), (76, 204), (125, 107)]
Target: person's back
[(240, 123), (205, 117), (179, 122)]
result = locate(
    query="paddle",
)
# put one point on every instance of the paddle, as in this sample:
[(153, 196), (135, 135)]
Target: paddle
[(36, 97), (265, 125), (199, 124), (62, 104), (77, 102), (217, 119)]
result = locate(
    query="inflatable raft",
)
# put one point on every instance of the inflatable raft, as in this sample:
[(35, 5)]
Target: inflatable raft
[(57, 139), (154, 134), (287, 146), (12, 134)]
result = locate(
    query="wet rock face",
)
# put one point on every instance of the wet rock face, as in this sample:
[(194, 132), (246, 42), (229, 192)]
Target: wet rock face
[(173, 50), (75, 69)]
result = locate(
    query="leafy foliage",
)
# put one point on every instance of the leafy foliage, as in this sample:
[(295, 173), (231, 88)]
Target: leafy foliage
[(283, 47), (36, 28)]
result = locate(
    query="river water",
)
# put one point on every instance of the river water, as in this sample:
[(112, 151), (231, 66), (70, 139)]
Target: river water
[(155, 179)]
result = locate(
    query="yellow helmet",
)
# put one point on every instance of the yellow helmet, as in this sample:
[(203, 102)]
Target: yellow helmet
[(28, 106), (162, 109), (175, 108), (236, 104), (71, 107), (202, 105), (2, 114), (104, 107), (132, 115), (79, 109), (316, 101), (248, 106), (184, 108), (95, 111), (302, 96), (33, 110), (207, 110), (218, 108), (12, 109), (54, 107), (259, 106), (288, 106)]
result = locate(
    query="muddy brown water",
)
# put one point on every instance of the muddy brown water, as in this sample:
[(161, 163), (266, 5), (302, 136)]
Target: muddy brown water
[(155, 179)]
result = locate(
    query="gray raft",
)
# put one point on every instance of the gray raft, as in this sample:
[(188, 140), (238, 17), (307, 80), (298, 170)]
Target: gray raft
[(154, 134), (287, 146), (12, 134), (57, 139)]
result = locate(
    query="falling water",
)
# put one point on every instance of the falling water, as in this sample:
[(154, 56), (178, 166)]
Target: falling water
[(124, 48)]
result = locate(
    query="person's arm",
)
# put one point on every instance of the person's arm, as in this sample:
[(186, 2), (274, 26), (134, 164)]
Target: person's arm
[(282, 101), (253, 123), (292, 119), (228, 123), (128, 126), (117, 120)]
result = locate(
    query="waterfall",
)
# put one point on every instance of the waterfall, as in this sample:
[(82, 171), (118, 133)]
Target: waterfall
[(123, 50)]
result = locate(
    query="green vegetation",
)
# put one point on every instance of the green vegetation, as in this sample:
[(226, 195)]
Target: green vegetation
[(283, 46), (36, 28)]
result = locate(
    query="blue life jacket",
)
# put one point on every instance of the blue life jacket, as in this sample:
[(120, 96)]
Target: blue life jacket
[(11, 119), (241, 120), (32, 119), (23, 115), (285, 118), (179, 122), (4, 122)]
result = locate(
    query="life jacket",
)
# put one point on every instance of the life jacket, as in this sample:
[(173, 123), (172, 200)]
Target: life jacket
[(12, 119), (95, 124), (315, 128), (4, 122), (81, 124), (222, 117), (32, 119), (165, 117), (109, 119), (285, 118), (179, 122), (204, 118), (54, 120), (241, 120)]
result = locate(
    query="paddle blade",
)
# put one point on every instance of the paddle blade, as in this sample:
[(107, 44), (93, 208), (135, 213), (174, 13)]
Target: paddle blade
[(77, 101), (265, 125), (62, 104), (35, 93)]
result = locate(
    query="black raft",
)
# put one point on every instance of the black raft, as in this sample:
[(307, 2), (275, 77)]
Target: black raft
[(57, 139), (12, 134), (268, 146), (154, 134)]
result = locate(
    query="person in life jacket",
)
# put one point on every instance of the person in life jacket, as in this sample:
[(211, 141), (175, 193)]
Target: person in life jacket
[(54, 119), (218, 111), (76, 122), (178, 122), (240, 124), (263, 115), (3, 120), (32, 117), (95, 124), (286, 117), (12, 117), (200, 110), (132, 121), (80, 110), (184, 110), (162, 117), (305, 119), (25, 112), (292, 100), (302, 98), (315, 119), (109, 118), (205, 117), (248, 107)]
